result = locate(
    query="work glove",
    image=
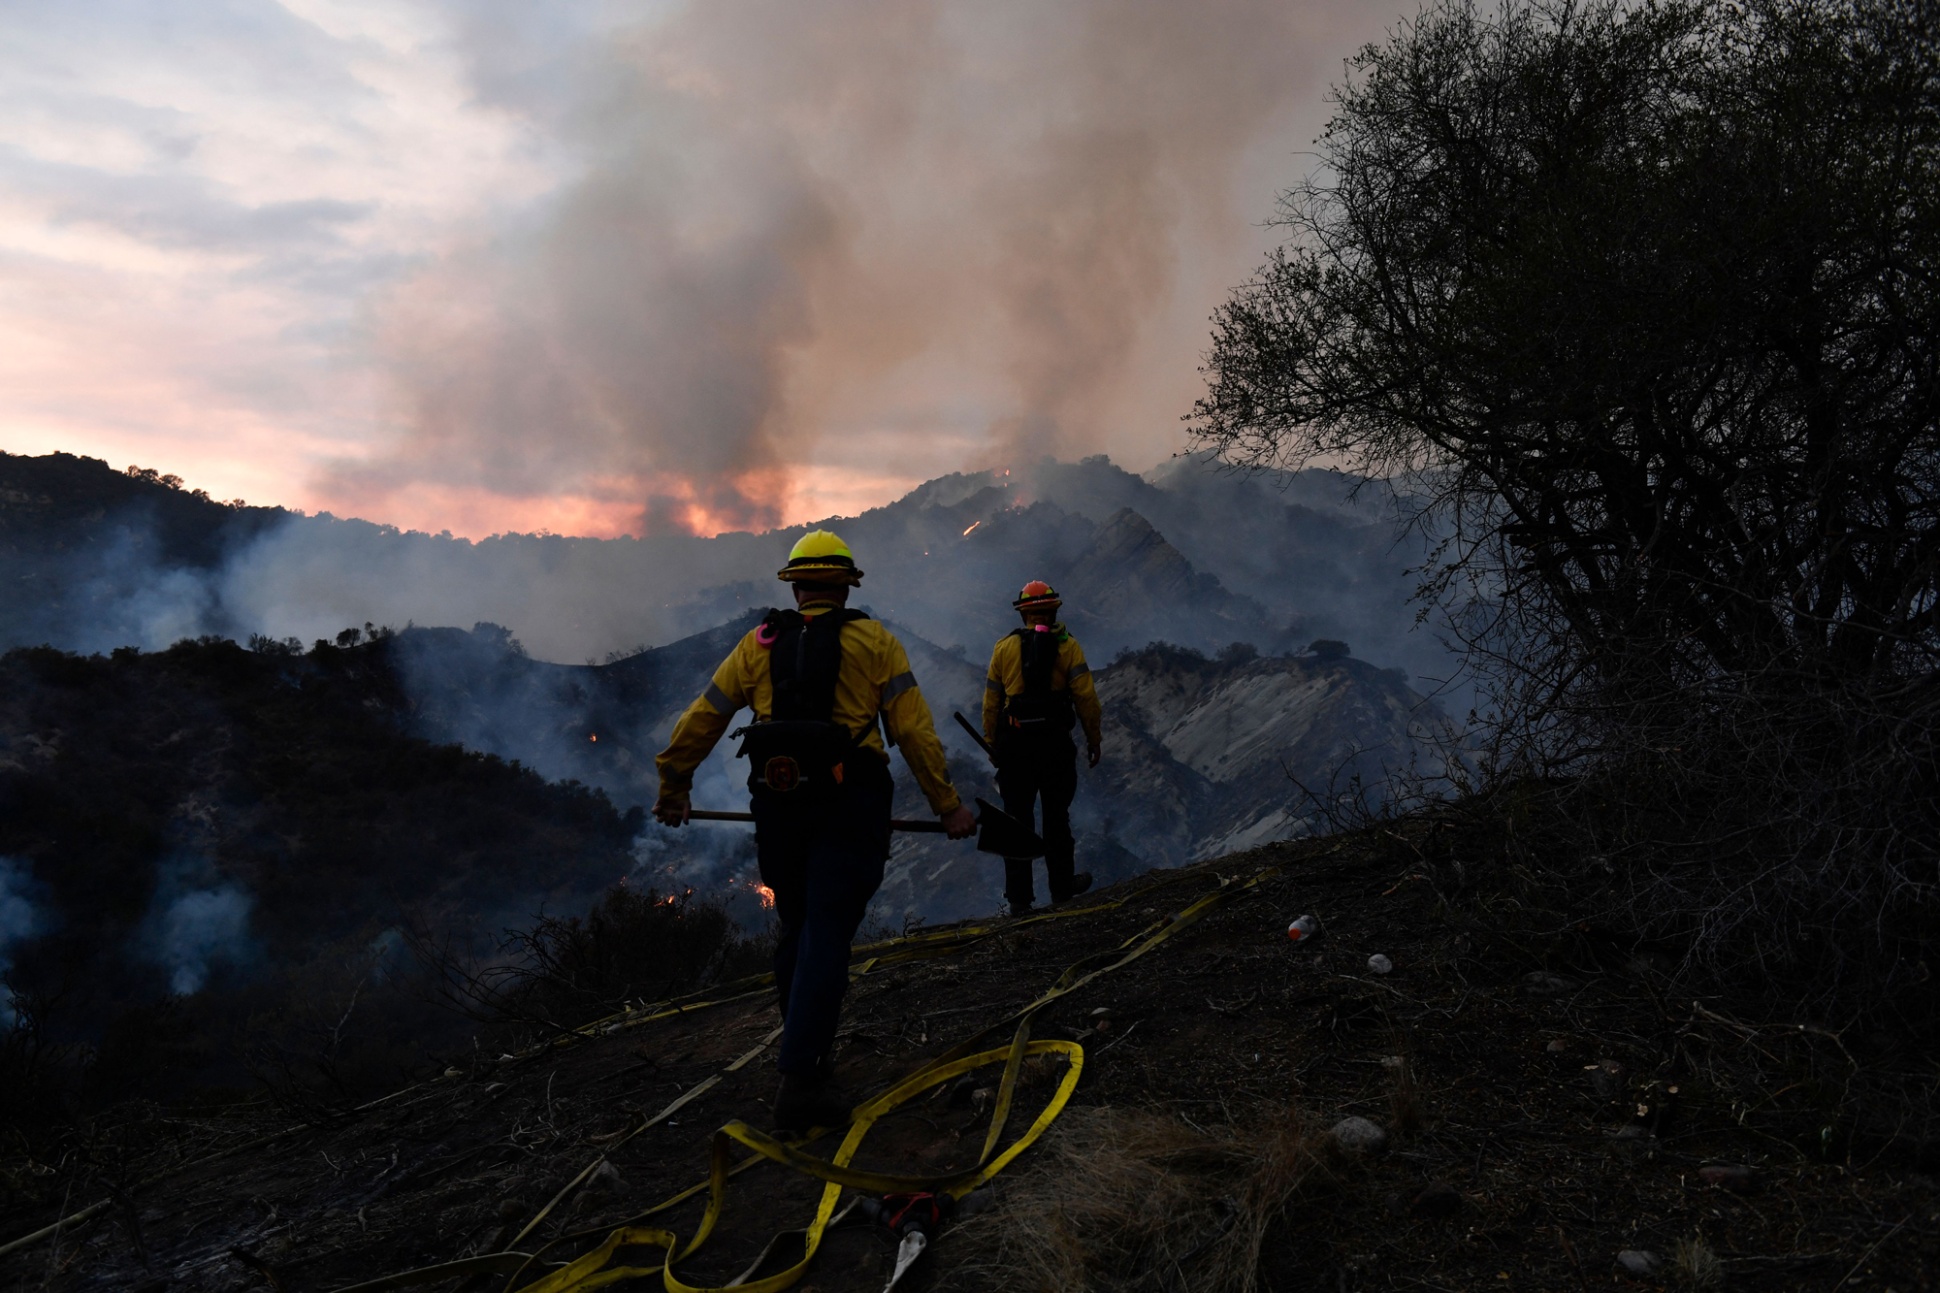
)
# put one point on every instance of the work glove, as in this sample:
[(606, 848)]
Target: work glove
[(959, 823), (671, 808)]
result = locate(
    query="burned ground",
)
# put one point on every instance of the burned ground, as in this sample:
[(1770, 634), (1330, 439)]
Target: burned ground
[(1549, 1099)]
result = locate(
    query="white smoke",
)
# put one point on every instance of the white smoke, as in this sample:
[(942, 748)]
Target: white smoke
[(20, 920), (197, 925)]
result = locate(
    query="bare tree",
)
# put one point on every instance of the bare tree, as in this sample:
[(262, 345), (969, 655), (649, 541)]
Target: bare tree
[(1639, 300)]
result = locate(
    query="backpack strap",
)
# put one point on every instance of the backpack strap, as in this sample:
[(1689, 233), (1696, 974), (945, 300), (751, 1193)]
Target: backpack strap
[(804, 660)]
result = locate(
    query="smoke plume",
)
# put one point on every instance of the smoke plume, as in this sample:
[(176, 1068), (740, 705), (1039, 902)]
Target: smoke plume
[(20, 920), (884, 236), (197, 924)]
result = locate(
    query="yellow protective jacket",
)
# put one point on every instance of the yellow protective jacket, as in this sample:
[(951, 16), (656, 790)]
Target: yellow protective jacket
[(874, 679), (1006, 678)]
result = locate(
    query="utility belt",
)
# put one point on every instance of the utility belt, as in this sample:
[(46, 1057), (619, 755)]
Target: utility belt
[(1037, 716), (802, 760)]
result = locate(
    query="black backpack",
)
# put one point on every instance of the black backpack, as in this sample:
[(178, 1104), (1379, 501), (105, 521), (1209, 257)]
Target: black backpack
[(1040, 709), (800, 751)]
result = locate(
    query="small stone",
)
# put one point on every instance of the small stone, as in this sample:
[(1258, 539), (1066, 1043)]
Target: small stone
[(1437, 1199), (454, 1071), (510, 1209), (1640, 1262), (605, 1179), (1543, 983), (1393, 1063), (1102, 1012), (1557, 1047), (1606, 1078), (1380, 964), (1726, 1176), (1358, 1136), (1102, 1025)]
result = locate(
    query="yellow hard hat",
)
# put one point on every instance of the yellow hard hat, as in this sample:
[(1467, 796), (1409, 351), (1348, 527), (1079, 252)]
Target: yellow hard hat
[(820, 557)]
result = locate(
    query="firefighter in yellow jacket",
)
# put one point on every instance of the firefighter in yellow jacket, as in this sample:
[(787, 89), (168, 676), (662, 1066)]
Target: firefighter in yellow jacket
[(1039, 687), (817, 678)]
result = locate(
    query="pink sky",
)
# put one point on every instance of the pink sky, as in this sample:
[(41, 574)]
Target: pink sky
[(593, 266)]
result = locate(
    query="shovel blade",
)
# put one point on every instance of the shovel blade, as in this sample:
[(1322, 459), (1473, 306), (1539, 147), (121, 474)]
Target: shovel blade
[(1000, 833)]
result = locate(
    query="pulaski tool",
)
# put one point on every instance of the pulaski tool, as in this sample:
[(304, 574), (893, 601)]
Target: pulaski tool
[(975, 735), (997, 831)]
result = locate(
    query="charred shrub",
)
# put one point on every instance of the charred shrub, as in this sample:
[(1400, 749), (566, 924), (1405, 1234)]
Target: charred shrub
[(633, 945)]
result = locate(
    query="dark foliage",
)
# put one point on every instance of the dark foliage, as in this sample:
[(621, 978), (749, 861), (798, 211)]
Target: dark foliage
[(1641, 301), (223, 847), (82, 545)]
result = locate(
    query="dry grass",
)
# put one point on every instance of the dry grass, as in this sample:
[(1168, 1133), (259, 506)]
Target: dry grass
[(1131, 1199), (1696, 1265)]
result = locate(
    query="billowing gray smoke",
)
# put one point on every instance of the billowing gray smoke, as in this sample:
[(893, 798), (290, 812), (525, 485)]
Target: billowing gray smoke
[(1187, 553), (876, 235)]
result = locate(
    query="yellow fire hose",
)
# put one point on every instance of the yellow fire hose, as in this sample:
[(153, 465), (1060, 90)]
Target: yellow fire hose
[(596, 1268)]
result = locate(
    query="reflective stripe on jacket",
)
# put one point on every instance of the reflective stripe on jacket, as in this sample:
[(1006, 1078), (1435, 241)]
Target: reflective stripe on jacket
[(875, 679), (1070, 673)]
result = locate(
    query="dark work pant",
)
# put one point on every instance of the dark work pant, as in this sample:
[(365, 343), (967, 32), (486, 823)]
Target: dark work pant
[(824, 862), (1029, 772)]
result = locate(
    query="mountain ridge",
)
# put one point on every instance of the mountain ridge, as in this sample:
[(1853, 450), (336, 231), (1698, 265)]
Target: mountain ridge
[(1226, 559)]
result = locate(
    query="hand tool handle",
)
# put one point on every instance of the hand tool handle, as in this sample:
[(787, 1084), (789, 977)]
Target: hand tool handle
[(975, 735), (895, 824)]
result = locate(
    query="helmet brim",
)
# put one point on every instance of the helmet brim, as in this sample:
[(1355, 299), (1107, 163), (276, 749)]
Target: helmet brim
[(822, 574)]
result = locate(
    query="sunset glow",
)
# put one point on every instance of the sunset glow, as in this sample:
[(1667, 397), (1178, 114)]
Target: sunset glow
[(590, 268)]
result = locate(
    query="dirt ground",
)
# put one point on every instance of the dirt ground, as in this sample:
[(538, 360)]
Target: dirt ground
[(1547, 1104)]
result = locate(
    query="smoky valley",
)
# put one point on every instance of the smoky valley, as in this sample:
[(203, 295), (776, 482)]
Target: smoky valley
[(267, 778)]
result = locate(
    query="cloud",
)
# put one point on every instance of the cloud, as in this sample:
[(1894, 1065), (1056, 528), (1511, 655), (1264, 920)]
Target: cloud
[(631, 265), (196, 203)]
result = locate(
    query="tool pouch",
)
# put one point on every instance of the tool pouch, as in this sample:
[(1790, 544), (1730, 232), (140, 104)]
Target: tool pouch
[(796, 760), (1046, 712)]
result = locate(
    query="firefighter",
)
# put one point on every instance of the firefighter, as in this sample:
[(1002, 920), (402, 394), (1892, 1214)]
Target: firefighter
[(817, 678), (1039, 687)]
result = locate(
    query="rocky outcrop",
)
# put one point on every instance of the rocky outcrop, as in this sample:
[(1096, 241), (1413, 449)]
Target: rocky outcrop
[(1203, 756)]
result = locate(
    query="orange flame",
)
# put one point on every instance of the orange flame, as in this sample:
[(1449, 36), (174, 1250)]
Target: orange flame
[(593, 737), (973, 525), (764, 893)]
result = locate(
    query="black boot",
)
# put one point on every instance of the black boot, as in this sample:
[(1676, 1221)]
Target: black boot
[(1079, 883), (807, 1101)]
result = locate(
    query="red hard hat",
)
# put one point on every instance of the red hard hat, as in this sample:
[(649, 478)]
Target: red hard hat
[(1037, 596)]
